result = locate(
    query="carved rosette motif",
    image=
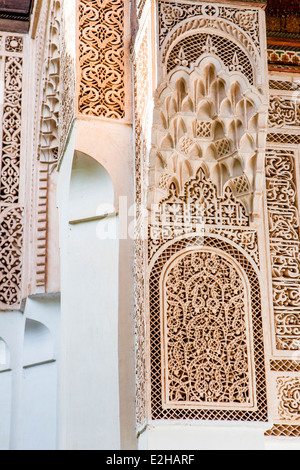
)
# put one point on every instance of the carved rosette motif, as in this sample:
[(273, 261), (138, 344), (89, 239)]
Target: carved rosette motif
[(101, 58), (289, 398)]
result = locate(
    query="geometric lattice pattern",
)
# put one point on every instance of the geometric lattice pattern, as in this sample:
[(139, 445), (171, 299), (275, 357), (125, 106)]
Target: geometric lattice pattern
[(187, 52), (277, 138), (285, 365), (284, 430)]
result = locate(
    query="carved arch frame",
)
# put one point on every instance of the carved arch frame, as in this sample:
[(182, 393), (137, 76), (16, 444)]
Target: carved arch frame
[(192, 26), (156, 270)]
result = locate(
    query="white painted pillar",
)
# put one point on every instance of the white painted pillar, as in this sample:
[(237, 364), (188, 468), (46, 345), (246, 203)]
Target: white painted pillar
[(89, 417)]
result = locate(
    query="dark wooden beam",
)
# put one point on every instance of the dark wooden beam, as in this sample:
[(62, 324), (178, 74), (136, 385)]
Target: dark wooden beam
[(16, 6), (15, 15)]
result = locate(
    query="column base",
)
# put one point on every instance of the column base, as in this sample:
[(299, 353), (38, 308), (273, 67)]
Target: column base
[(204, 436)]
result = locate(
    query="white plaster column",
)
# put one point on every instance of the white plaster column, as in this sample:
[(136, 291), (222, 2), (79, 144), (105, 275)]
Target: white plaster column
[(97, 380), (89, 381)]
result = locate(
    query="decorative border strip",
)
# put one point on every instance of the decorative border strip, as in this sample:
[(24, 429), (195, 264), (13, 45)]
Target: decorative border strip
[(284, 57), (284, 365)]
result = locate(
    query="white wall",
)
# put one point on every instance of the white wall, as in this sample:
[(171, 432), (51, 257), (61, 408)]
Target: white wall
[(28, 382)]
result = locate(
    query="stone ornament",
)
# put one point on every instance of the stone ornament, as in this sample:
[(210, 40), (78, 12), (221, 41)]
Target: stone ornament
[(282, 193)]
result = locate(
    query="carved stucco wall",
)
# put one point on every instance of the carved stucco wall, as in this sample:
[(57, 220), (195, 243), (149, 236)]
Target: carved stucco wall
[(12, 172), (204, 191), (282, 202), (48, 131), (210, 108), (101, 58), (200, 159), (29, 147)]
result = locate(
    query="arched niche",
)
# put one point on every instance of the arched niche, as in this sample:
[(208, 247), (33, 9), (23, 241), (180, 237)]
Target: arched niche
[(4, 356), (38, 343), (91, 189)]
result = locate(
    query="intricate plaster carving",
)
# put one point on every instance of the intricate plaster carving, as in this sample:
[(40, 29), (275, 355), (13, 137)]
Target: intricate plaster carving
[(49, 125), (101, 38), (280, 138), (284, 430), (184, 53), (284, 112), (11, 247), (141, 122), (213, 16), (67, 72), (140, 8), (191, 310), (284, 85), (11, 125), (285, 365), (11, 212), (200, 211), (206, 328), (205, 116), (141, 96), (14, 44), (202, 190), (283, 59), (284, 245)]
